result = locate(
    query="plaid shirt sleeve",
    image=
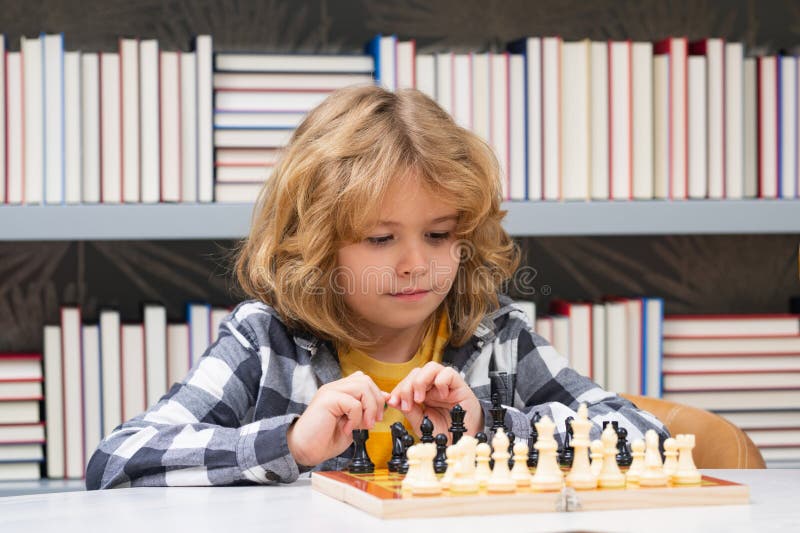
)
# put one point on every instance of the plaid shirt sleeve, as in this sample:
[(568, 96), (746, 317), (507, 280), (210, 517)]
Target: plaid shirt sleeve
[(545, 384), (201, 432)]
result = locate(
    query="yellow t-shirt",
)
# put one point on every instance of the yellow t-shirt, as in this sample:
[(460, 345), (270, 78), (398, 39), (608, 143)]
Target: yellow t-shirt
[(386, 376)]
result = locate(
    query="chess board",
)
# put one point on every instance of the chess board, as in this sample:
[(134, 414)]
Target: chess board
[(380, 495)]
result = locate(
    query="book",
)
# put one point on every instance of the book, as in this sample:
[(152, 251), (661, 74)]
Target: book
[(734, 120), (405, 52), (133, 371), (14, 136), (697, 154), (580, 334), (20, 367), (236, 192), (789, 344), (616, 347), (72, 389), (731, 325), (738, 400), (92, 391), (309, 81), (21, 452), (425, 74), (90, 128), (675, 382), (177, 352), (134, 84), (444, 80), (620, 140), (599, 353), (652, 339), (257, 120), (149, 130), (575, 117), (788, 120), (750, 128), (560, 338), (199, 319), (763, 419), (642, 120), (170, 146), (54, 402), (272, 101), (713, 102), (53, 113), (551, 119), (730, 363), (155, 339), (3, 183), (205, 105), (188, 131), (383, 49), (33, 118), (462, 90), (20, 471), (243, 174), (499, 115), (661, 128), (767, 127), (32, 432), (675, 48), (518, 181), (73, 132), (111, 376), (110, 129), (19, 412), (21, 390), (292, 63), (247, 156), (481, 92), (252, 138)]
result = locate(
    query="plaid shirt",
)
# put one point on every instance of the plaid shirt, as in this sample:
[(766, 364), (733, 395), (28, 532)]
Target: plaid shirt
[(226, 423)]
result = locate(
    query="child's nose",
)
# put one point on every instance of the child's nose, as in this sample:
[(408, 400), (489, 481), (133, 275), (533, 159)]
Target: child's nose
[(413, 261)]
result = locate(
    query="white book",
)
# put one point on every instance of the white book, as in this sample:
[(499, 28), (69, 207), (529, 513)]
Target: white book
[(730, 381), (661, 133), (73, 174), (237, 193), (767, 127), (575, 127), (71, 350), (498, 116), (732, 345), (90, 128), (561, 337), (616, 347), (444, 80), (426, 74), (788, 114), (218, 315), (92, 391), (238, 62), (170, 77), (678, 57), (516, 115), (3, 119), (734, 121), (53, 94), (239, 174), (177, 352), (738, 400), (134, 381), (731, 326), (257, 120), (652, 320), (599, 121), (386, 63), (462, 90), (15, 390), (762, 419), (579, 318), (750, 128), (110, 130), (406, 51), (188, 127), (533, 95), (53, 404), (619, 79), (551, 122), (23, 471), (250, 138), (150, 135), (544, 328), (199, 318), (21, 452), (299, 81), (33, 119), (599, 344), (480, 96), (238, 156), (19, 412), (269, 101), (111, 370), (696, 128), (529, 308), (642, 120), (132, 113), (23, 433), (743, 363), (14, 130), (715, 109), (205, 148), (155, 339)]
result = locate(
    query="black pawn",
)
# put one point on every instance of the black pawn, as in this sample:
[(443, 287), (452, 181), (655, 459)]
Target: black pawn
[(440, 461), (511, 438), (408, 442), (567, 454), (533, 453), (361, 463), (481, 437), (426, 430), (624, 457), (457, 429), (398, 448), (498, 413)]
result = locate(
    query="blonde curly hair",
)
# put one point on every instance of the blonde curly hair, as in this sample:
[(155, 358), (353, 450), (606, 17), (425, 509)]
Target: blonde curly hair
[(327, 188)]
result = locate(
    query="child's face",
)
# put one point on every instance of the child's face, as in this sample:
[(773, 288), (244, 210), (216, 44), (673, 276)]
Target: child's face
[(412, 248)]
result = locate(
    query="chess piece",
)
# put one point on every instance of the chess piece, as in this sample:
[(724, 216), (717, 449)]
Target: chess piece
[(425, 481), (457, 427), (548, 476), (408, 442), (412, 455), (398, 448), (653, 474), (687, 473), (519, 472), (624, 457), (511, 438), (500, 480), (637, 463), (482, 470), (610, 475), (464, 481), (580, 476), (670, 457), (426, 431), (567, 454), (498, 413), (361, 463), (481, 437), (453, 454), (440, 461), (533, 453), (596, 455)]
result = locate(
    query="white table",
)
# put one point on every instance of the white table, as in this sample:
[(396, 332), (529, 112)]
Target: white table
[(774, 494)]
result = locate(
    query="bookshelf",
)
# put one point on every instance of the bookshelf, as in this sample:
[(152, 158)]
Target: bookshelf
[(524, 219)]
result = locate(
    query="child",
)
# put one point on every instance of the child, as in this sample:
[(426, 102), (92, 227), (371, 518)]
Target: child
[(375, 258)]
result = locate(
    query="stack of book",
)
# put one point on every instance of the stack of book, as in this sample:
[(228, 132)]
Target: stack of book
[(744, 367), (21, 429), (260, 99), (99, 375)]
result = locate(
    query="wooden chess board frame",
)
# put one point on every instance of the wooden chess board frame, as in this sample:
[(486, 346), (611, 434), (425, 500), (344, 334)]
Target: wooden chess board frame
[(379, 494)]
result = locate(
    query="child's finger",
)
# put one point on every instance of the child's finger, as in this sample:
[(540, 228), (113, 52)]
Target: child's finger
[(403, 394), (447, 380), (424, 379)]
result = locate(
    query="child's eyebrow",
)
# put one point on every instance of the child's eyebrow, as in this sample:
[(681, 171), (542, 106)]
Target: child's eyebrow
[(445, 218)]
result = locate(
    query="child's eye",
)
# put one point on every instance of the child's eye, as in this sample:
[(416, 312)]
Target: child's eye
[(379, 241), (439, 236)]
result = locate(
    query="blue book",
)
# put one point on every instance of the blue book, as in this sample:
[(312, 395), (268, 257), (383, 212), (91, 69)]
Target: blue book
[(383, 50)]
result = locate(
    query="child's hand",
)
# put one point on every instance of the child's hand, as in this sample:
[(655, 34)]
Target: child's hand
[(433, 390), (326, 427)]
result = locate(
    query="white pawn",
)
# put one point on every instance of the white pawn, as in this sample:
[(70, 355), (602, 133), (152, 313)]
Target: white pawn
[(653, 474), (637, 465), (610, 475), (597, 457), (548, 475), (413, 468), (687, 473), (483, 471), (500, 480), (465, 481), (580, 476), (670, 457), (453, 454), (426, 482), (520, 473)]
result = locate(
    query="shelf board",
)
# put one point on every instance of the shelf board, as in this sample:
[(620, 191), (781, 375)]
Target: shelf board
[(231, 221)]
